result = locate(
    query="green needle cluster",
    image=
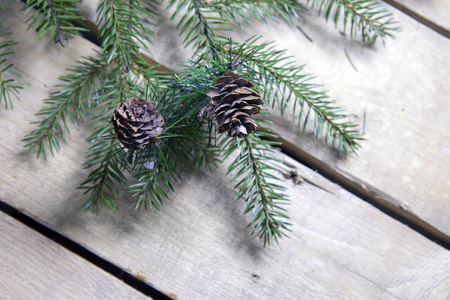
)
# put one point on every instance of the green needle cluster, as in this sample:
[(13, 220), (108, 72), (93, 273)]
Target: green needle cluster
[(93, 88)]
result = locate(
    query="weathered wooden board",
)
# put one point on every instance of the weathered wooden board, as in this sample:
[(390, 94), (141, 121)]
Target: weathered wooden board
[(34, 267), (198, 246), (402, 87), (436, 12), (404, 90)]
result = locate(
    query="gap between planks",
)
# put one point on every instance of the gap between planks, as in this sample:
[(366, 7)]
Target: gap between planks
[(83, 252), (419, 18), (34, 267), (360, 189), (367, 193)]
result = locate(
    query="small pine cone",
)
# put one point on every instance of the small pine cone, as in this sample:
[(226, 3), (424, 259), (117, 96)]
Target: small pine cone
[(232, 104), (136, 122)]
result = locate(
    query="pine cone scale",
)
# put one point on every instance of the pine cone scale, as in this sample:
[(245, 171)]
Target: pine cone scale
[(228, 88), (256, 100), (212, 92), (231, 113), (250, 110), (246, 90), (242, 82)]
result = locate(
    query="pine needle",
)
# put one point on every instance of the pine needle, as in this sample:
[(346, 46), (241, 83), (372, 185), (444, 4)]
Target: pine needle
[(350, 60), (189, 142)]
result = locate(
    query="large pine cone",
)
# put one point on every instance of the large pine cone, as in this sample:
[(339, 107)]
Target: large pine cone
[(136, 122), (232, 104)]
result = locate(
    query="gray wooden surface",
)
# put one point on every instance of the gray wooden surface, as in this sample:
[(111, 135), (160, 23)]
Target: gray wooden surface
[(198, 246), (34, 267), (402, 87), (434, 13)]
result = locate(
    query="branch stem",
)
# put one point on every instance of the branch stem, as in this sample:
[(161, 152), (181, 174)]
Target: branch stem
[(60, 38), (349, 5), (257, 175), (105, 170), (206, 29)]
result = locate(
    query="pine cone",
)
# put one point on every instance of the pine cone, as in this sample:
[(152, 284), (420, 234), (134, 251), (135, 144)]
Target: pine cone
[(136, 122), (232, 104)]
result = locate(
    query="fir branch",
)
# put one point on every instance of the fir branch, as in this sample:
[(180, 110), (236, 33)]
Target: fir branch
[(261, 10), (200, 25), (286, 86), (73, 96), (202, 153), (105, 155), (122, 30), (206, 30), (193, 150), (56, 17), (258, 185), (369, 18), (153, 180), (252, 169), (203, 20), (59, 38), (9, 87), (103, 182), (187, 140), (155, 166), (182, 148)]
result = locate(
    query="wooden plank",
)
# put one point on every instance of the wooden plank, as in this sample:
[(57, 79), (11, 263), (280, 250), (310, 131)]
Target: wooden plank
[(433, 14), (403, 88), (34, 266), (198, 245)]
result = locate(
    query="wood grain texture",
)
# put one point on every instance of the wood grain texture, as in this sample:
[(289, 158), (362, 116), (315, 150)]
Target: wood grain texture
[(403, 87), (34, 267), (404, 90), (198, 246)]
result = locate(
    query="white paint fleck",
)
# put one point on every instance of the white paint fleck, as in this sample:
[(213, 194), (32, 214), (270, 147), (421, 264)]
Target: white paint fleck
[(149, 165)]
